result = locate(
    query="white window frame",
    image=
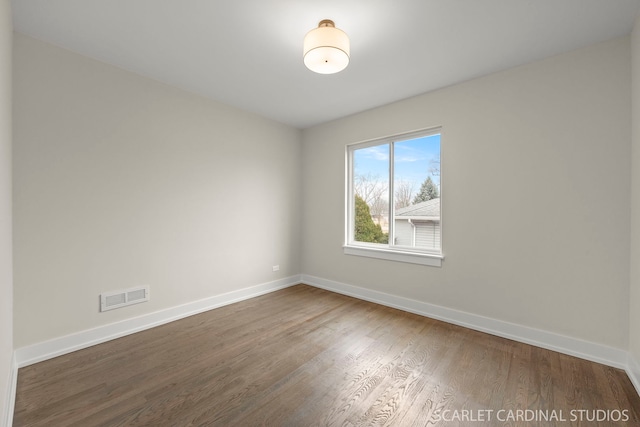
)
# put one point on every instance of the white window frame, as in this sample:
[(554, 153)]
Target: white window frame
[(388, 251)]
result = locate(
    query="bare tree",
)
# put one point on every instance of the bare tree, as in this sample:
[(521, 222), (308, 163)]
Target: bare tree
[(434, 168), (372, 189), (404, 194), (379, 208)]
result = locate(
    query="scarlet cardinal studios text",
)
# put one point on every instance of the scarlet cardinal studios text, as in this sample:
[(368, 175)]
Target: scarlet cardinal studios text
[(484, 415)]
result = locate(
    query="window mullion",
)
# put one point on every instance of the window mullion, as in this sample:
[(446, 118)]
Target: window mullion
[(391, 197)]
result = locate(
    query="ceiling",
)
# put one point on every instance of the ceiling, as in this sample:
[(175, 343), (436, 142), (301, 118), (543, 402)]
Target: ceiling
[(248, 53)]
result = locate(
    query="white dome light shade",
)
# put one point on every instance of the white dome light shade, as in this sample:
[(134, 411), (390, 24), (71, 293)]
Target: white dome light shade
[(326, 48)]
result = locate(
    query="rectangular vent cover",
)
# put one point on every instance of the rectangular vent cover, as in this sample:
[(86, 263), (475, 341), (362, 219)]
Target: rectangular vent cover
[(111, 300)]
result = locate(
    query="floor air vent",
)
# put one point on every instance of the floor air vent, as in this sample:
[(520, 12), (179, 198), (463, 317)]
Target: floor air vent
[(111, 300)]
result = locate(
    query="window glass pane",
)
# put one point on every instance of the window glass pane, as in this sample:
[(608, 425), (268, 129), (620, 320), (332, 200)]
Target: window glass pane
[(416, 184), (371, 194)]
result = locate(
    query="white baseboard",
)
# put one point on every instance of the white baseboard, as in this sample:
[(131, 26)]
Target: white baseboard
[(11, 393), (58, 346), (572, 346), (633, 371)]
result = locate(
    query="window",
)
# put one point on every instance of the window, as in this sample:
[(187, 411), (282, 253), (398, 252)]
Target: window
[(393, 198)]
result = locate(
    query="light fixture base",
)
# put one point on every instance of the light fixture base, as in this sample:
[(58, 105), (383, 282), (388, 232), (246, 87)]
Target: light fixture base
[(326, 23)]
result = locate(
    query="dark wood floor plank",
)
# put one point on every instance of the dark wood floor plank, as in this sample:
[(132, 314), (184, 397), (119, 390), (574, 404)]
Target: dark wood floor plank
[(307, 357)]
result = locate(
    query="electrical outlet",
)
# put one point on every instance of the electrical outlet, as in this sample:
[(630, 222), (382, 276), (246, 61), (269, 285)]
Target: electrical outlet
[(276, 267)]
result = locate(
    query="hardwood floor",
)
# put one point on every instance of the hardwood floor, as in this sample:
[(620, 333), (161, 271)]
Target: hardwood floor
[(307, 357)]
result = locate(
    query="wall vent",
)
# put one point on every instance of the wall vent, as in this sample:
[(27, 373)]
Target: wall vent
[(111, 300)]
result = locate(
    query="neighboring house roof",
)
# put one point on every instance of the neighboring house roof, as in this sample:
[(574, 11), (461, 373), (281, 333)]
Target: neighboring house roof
[(429, 210)]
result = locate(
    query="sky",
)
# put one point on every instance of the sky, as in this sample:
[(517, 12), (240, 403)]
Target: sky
[(413, 160)]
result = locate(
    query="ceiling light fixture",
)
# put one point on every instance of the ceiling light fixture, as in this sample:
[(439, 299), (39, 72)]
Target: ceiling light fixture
[(326, 48)]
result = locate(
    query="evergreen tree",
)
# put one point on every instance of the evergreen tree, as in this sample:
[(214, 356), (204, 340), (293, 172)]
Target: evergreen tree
[(428, 191), (365, 229)]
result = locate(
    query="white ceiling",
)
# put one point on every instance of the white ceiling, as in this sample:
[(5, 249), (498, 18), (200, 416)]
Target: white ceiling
[(248, 53)]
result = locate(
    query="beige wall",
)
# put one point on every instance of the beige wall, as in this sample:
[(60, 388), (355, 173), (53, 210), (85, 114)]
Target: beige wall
[(536, 182), (6, 280), (122, 181), (634, 307)]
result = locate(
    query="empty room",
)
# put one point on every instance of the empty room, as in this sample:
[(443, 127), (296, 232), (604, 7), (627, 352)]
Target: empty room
[(320, 213)]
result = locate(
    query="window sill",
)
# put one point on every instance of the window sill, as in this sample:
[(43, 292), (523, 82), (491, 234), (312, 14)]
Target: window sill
[(395, 255)]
